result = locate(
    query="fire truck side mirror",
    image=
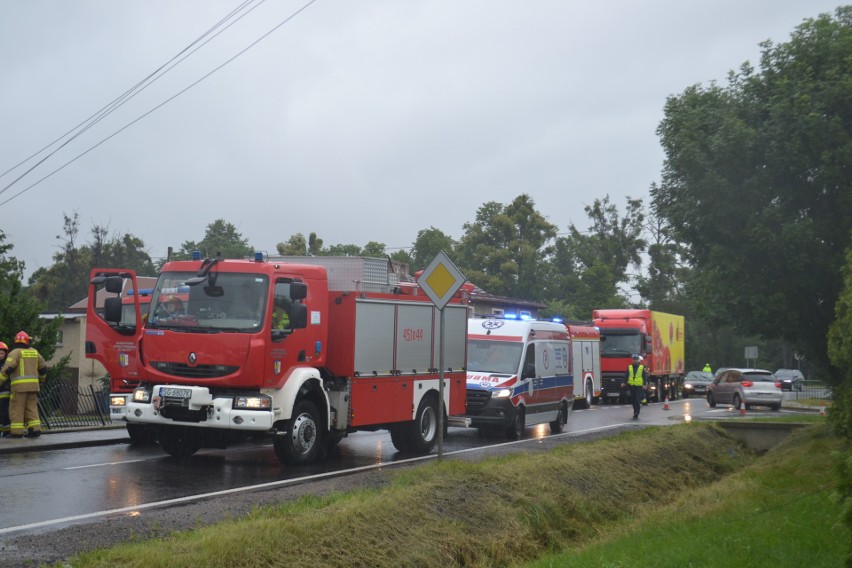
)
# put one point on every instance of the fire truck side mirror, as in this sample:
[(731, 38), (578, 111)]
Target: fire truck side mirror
[(298, 316), (112, 309), (298, 290), (114, 284)]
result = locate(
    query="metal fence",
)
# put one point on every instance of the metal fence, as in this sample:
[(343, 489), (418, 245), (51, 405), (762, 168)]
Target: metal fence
[(813, 390), (64, 406)]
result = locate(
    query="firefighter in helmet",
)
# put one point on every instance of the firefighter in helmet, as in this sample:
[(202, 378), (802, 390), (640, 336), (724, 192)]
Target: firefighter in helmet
[(5, 394), (171, 307), (25, 371)]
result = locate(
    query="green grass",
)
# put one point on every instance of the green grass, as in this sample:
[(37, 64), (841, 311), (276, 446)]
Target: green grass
[(674, 496)]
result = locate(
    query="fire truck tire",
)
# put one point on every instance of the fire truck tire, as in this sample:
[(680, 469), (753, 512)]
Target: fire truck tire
[(515, 431), (141, 434), (301, 441), (419, 435), (179, 441), (561, 419)]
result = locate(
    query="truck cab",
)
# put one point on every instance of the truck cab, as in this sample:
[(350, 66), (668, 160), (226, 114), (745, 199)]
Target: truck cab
[(518, 375)]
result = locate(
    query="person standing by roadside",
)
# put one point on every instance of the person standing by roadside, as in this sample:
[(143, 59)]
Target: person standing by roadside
[(635, 382), (24, 370), (5, 393), (707, 368)]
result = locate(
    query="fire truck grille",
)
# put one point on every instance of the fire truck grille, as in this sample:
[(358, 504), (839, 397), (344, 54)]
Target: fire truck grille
[(196, 372), (476, 400)]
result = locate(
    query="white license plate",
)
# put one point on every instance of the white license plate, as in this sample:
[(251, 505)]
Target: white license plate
[(175, 393), (116, 410)]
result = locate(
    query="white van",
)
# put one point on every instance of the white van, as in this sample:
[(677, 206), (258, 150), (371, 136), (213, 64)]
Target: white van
[(518, 375)]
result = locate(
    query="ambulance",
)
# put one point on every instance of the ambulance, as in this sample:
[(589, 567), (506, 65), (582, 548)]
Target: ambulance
[(522, 372)]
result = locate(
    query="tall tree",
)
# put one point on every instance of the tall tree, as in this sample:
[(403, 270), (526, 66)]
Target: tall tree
[(589, 267), (296, 245), (220, 237), (756, 182), (428, 244), (505, 249)]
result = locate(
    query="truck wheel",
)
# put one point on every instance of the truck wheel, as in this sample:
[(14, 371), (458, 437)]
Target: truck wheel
[(179, 441), (418, 436), (710, 400), (590, 395), (300, 444), (515, 431), (561, 419)]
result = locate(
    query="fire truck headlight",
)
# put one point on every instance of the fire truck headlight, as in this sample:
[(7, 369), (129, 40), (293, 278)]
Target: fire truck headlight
[(117, 401), (142, 394), (256, 402), (501, 393)]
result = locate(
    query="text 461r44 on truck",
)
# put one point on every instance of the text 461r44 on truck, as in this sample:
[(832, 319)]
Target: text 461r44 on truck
[(303, 352)]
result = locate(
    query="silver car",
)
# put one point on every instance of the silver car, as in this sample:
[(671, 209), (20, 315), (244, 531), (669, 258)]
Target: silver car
[(752, 387)]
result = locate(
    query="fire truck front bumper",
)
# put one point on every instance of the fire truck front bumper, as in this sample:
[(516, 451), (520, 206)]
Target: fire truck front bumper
[(197, 406)]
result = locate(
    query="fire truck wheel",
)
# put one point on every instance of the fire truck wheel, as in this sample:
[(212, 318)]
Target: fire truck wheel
[(179, 441), (561, 419), (515, 431), (419, 435), (300, 442)]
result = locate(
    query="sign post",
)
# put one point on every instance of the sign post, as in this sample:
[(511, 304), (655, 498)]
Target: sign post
[(441, 280)]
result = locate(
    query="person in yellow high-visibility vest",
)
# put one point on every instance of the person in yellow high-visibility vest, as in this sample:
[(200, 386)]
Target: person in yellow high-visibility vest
[(636, 383), (25, 370), (5, 394)]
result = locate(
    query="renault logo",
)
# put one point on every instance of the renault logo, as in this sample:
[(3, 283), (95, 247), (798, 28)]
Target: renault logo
[(192, 359)]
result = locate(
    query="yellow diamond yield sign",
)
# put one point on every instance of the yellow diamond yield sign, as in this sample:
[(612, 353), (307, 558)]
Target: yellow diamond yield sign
[(441, 280)]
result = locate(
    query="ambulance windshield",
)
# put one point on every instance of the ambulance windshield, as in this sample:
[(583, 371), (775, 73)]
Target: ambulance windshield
[(501, 357), (227, 302)]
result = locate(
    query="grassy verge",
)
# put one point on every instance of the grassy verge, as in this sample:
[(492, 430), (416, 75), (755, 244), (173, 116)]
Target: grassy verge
[(515, 509), (781, 511)]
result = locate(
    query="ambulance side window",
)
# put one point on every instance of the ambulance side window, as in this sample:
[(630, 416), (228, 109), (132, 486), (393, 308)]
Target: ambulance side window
[(528, 369)]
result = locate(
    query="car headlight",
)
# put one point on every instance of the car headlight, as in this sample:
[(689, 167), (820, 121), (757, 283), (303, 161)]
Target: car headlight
[(142, 394), (501, 393), (687, 386), (254, 402), (117, 401)]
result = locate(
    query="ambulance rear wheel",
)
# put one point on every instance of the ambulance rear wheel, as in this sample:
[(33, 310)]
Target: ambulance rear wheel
[(179, 441), (300, 443)]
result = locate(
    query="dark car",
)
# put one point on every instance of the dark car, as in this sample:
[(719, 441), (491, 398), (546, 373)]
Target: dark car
[(791, 379), (696, 383)]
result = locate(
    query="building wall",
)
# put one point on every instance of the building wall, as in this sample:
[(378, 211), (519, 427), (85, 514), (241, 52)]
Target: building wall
[(88, 371)]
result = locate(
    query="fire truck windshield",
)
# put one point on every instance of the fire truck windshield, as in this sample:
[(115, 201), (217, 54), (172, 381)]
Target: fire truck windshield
[(500, 357), (227, 302)]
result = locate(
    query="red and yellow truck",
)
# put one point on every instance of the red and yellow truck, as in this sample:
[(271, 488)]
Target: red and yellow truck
[(657, 337), (305, 353)]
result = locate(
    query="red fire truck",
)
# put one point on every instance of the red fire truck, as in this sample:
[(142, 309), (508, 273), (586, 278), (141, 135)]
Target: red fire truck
[(305, 353)]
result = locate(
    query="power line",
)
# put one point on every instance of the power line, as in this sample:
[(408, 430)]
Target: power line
[(168, 100)]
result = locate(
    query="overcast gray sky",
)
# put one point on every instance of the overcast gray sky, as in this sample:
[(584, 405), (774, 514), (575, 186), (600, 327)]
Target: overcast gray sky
[(360, 120)]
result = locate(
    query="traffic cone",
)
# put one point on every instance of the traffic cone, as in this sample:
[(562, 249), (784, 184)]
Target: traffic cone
[(822, 410), (742, 408), (666, 403)]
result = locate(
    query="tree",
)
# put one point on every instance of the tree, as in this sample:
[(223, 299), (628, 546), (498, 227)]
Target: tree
[(757, 184), (588, 267), (66, 281), (374, 249), (296, 245), (220, 237), (503, 251), (428, 244), (20, 309), (661, 287)]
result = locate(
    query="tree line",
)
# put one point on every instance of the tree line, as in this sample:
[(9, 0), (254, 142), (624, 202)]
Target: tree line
[(747, 234)]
